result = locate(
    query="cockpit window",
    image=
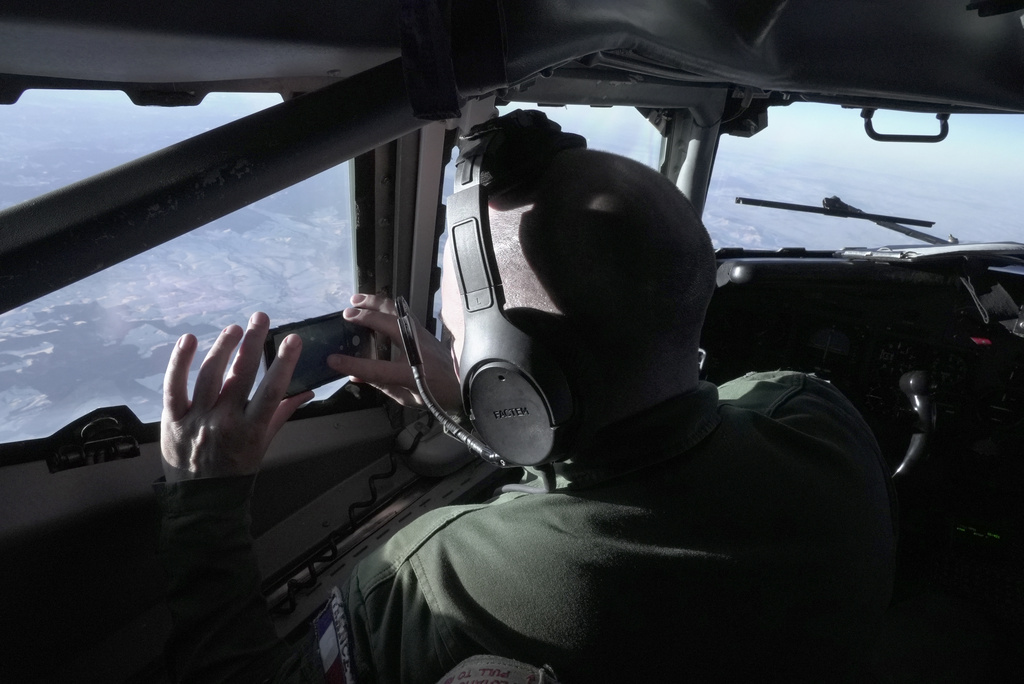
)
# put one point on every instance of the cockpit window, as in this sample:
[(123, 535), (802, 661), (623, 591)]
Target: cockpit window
[(620, 130), (105, 340), (966, 184)]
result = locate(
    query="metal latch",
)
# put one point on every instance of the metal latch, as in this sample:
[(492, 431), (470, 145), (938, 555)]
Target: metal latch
[(99, 440)]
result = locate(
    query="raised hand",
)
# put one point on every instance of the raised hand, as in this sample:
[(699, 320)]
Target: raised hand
[(394, 378), (220, 432)]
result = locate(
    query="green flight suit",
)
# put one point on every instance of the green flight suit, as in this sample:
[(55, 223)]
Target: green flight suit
[(746, 531)]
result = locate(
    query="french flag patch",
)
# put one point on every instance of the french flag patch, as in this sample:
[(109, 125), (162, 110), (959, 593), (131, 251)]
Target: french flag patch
[(333, 641)]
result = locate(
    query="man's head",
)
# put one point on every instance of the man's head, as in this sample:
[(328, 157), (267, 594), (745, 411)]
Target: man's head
[(611, 265)]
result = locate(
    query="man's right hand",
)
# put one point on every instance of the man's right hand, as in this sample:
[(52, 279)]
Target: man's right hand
[(394, 378)]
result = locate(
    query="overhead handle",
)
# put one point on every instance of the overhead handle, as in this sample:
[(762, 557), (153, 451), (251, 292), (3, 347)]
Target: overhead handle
[(869, 128)]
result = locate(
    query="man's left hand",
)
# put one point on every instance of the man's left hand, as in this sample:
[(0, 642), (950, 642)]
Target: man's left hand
[(221, 432)]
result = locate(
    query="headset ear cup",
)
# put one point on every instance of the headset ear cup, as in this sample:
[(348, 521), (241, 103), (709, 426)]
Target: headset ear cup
[(519, 393), (511, 414)]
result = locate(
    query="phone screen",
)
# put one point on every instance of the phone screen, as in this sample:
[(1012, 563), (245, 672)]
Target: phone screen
[(321, 337)]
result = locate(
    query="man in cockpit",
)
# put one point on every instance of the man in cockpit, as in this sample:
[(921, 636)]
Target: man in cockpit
[(696, 532)]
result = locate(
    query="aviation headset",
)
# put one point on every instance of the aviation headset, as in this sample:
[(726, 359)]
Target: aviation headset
[(514, 387)]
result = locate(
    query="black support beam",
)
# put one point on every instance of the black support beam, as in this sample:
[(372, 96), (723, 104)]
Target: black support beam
[(61, 237)]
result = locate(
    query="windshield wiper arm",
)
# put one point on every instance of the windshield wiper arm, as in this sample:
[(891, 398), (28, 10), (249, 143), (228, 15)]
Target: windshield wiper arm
[(833, 206)]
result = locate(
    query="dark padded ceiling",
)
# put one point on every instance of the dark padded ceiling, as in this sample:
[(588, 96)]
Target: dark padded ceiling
[(913, 51)]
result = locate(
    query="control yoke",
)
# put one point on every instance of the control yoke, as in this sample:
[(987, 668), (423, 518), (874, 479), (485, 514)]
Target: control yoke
[(917, 385)]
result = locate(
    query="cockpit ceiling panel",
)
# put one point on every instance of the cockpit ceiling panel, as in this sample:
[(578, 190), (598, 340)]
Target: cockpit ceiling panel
[(933, 51), (130, 56), (194, 41)]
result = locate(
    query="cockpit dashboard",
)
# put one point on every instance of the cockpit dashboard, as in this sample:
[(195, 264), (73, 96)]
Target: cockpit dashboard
[(862, 325)]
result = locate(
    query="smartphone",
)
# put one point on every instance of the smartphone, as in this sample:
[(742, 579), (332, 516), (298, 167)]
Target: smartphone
[(321, 337)]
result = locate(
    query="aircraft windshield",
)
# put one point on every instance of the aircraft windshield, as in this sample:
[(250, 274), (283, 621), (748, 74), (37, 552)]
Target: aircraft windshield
[(966, 184), (104, 341)]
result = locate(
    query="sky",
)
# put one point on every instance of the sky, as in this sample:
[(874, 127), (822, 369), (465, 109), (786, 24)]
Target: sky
[(105, 340), (968, 184)]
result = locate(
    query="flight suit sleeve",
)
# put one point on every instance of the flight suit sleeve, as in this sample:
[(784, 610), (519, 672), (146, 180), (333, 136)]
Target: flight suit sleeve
[(222, 630), (803, 402), (814, 407)]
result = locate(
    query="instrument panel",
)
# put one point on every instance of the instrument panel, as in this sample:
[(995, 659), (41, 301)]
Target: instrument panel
[(862, 327)]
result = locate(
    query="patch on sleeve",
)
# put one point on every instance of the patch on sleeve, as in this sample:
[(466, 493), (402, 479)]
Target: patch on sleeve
[(334, 641), (491, 669)]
